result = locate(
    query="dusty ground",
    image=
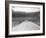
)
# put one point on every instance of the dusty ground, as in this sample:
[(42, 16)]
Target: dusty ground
[(26, 25)]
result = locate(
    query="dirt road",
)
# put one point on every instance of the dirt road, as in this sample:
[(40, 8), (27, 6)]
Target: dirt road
[(25, 26)]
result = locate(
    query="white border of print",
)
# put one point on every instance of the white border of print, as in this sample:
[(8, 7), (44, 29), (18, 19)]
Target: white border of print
[(25, 32)]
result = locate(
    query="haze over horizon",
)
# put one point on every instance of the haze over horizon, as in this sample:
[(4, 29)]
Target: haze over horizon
[(26, 9)]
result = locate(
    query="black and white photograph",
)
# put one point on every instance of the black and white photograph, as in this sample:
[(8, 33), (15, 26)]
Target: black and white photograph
[(25, 18)]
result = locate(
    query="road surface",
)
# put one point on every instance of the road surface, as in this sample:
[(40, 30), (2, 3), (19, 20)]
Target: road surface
[(25, 26)]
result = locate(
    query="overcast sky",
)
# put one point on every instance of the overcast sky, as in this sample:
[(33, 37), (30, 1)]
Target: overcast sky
[(25, 8)]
